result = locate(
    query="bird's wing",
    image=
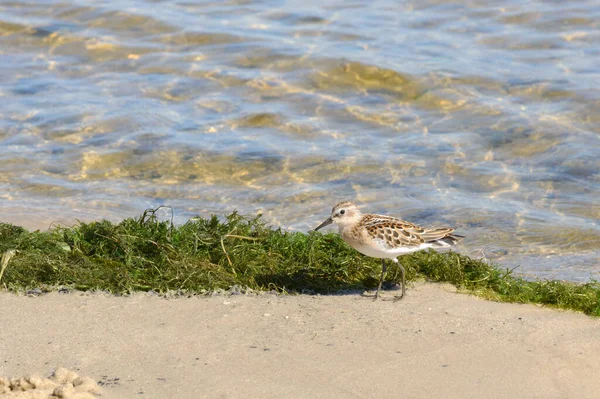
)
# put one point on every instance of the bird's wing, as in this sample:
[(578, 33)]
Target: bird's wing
[(398, 232), (431, 235), (394, 232)]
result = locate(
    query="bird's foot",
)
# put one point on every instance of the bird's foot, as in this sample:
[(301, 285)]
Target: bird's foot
[(398, 297), (367, 294), (376, 296)]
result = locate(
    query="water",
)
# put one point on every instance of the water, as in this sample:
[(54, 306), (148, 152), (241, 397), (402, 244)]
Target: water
[(480, 115)]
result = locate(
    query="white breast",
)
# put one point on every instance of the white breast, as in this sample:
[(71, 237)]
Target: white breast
[(379, 250)]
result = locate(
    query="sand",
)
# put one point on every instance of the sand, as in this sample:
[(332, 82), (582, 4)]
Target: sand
[(62, 383), (435, 343)]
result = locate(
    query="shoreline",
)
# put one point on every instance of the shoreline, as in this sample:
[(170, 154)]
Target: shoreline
[(207, 254), (433, 343)]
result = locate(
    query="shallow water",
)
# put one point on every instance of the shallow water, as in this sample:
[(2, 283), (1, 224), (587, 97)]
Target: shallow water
[(480, 115)]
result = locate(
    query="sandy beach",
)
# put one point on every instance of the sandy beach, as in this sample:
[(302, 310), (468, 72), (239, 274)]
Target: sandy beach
[(435, 343)]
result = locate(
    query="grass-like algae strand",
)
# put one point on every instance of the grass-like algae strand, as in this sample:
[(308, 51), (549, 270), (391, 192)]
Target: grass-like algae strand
[(6, 257), (206, 254)]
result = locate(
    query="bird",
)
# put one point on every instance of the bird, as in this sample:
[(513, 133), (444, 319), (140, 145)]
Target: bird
[(386, 237)]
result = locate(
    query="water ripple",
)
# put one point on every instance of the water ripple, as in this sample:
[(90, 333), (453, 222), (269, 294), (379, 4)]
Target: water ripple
[(479, 115)]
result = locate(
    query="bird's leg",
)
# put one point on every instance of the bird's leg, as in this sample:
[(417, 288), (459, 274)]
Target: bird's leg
[(398, 297), (383, 269)]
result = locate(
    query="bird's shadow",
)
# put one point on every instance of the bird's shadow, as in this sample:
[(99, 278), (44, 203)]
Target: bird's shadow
[(305, 282)]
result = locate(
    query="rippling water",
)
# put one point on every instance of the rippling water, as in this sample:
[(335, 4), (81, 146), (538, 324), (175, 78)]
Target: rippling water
[(476, 114)]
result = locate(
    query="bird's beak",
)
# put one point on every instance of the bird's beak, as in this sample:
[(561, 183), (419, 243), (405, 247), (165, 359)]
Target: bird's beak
[(325, 223)]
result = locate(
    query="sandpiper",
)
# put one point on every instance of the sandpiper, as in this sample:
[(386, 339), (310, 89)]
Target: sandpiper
[(386, 237)]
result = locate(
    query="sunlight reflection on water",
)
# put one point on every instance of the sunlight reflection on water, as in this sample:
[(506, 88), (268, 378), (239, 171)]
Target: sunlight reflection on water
[(475, 115)]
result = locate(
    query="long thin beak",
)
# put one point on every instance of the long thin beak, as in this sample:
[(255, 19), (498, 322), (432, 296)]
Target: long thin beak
[(325, 223)]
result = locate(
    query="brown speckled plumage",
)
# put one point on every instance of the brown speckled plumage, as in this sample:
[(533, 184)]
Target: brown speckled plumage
[(386, 237), (399, 233)]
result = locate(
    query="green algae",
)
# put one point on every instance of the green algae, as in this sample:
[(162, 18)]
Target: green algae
[(207, 254)]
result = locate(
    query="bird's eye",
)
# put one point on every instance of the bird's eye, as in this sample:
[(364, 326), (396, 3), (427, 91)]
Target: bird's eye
[(342, 211)]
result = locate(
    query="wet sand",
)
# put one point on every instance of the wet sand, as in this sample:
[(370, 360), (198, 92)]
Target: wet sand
[(434, 343)]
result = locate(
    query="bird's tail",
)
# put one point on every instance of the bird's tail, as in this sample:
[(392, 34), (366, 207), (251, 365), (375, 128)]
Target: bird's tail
[(441, 237), (447, 241)]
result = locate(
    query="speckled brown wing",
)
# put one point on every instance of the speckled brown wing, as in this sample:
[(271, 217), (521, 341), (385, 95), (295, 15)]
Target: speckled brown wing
[(431, 235), (394, 232)]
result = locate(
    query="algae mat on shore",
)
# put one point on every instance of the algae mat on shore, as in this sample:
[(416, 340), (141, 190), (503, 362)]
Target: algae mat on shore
[(202, 255)]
